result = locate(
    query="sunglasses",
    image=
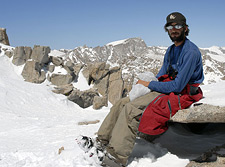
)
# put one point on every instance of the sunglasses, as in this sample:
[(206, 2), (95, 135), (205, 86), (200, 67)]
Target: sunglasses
[(177, 26)]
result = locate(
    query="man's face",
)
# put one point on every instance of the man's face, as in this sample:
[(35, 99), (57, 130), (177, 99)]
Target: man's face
[(177, 35)]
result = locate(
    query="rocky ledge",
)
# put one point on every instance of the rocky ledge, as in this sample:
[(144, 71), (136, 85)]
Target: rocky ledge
[(200, 113)]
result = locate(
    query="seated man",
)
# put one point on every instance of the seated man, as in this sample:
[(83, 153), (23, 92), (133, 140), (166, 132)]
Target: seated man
[(181, 71)]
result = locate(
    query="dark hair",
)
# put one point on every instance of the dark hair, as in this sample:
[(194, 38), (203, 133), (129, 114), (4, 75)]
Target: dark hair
[(186, 33)]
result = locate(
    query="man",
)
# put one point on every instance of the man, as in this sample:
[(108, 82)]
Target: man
[(182, 68)]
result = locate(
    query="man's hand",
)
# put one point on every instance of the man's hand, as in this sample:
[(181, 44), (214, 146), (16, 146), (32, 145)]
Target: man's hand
[(145, 83)]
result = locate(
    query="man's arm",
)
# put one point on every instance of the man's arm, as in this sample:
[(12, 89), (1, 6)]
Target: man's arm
[(185, 72), (145, 83)]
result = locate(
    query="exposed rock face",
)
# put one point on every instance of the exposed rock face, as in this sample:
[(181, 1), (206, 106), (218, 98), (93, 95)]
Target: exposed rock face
[(109, 82), (204, 113), (212, 158), (133, 57), (32, 72), (95, 71), (35, 60), (21, 55), (64, 89), (57, 61), (116, 86), (40, 54), (99, 102), (220, 162), (110, 68), (102, 85), (4, 37), (61, 79), (83, 98), (9, 53)]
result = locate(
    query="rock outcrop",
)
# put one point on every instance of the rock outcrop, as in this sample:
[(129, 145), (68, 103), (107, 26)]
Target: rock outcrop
[(32, 72), (212, 158), (40, 54), (203, 113), (61, 79), (21, 55), (109, 82), (111, 69), (4, 37), (83, 98)]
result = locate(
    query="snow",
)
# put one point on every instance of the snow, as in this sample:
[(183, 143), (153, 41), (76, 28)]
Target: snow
[(56, 53), (83, 80), (35, 123), (116, 42), (60, 70), (216, 54)]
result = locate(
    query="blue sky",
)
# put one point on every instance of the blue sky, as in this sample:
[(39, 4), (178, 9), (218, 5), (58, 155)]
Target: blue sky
[(72, 23)]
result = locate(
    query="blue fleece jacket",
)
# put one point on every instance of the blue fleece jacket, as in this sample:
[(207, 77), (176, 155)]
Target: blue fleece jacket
[(189, 67)]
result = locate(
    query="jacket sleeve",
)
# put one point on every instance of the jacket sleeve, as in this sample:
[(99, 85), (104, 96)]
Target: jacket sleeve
[(185, 71)]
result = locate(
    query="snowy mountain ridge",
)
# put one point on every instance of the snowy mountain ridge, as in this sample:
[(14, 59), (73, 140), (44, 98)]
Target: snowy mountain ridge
[(134, 57)]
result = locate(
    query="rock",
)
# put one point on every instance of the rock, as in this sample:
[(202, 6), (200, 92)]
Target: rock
[(102, 85), (212, 158), (88, 122), (19, 57), (220, 162), (9, 53), (40, 54), (64, 89), (4, 37), (60, 150), (77, 68), (83, 98), (115, 89), (99, 102), (32, 72), (69, 67), (61, 79), (203, 113), (51, 67), (97, 71), (57, 61), (28, 52)]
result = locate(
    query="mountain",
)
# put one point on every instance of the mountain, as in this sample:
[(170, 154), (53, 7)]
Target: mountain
[(135, 57), (35, 123)]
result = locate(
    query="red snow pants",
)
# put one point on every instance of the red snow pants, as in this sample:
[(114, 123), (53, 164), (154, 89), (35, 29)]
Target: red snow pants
[(163, 107)]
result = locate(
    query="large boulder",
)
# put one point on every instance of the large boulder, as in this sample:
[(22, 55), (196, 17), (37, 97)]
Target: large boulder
[(99, 102), (4, 37), (61, 79), (40, 54), (28, 52), (212, 158), (102, 85), (57, 61), (64, 89), (203, 113), (116, 85), (83, 98), (21, 55), (9, 53), (32, 72), (77, 68), (95, 71)]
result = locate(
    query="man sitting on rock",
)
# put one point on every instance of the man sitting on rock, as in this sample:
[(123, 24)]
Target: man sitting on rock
[(176, 88)]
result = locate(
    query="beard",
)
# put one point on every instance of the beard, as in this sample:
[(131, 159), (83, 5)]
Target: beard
[(177, 38)]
